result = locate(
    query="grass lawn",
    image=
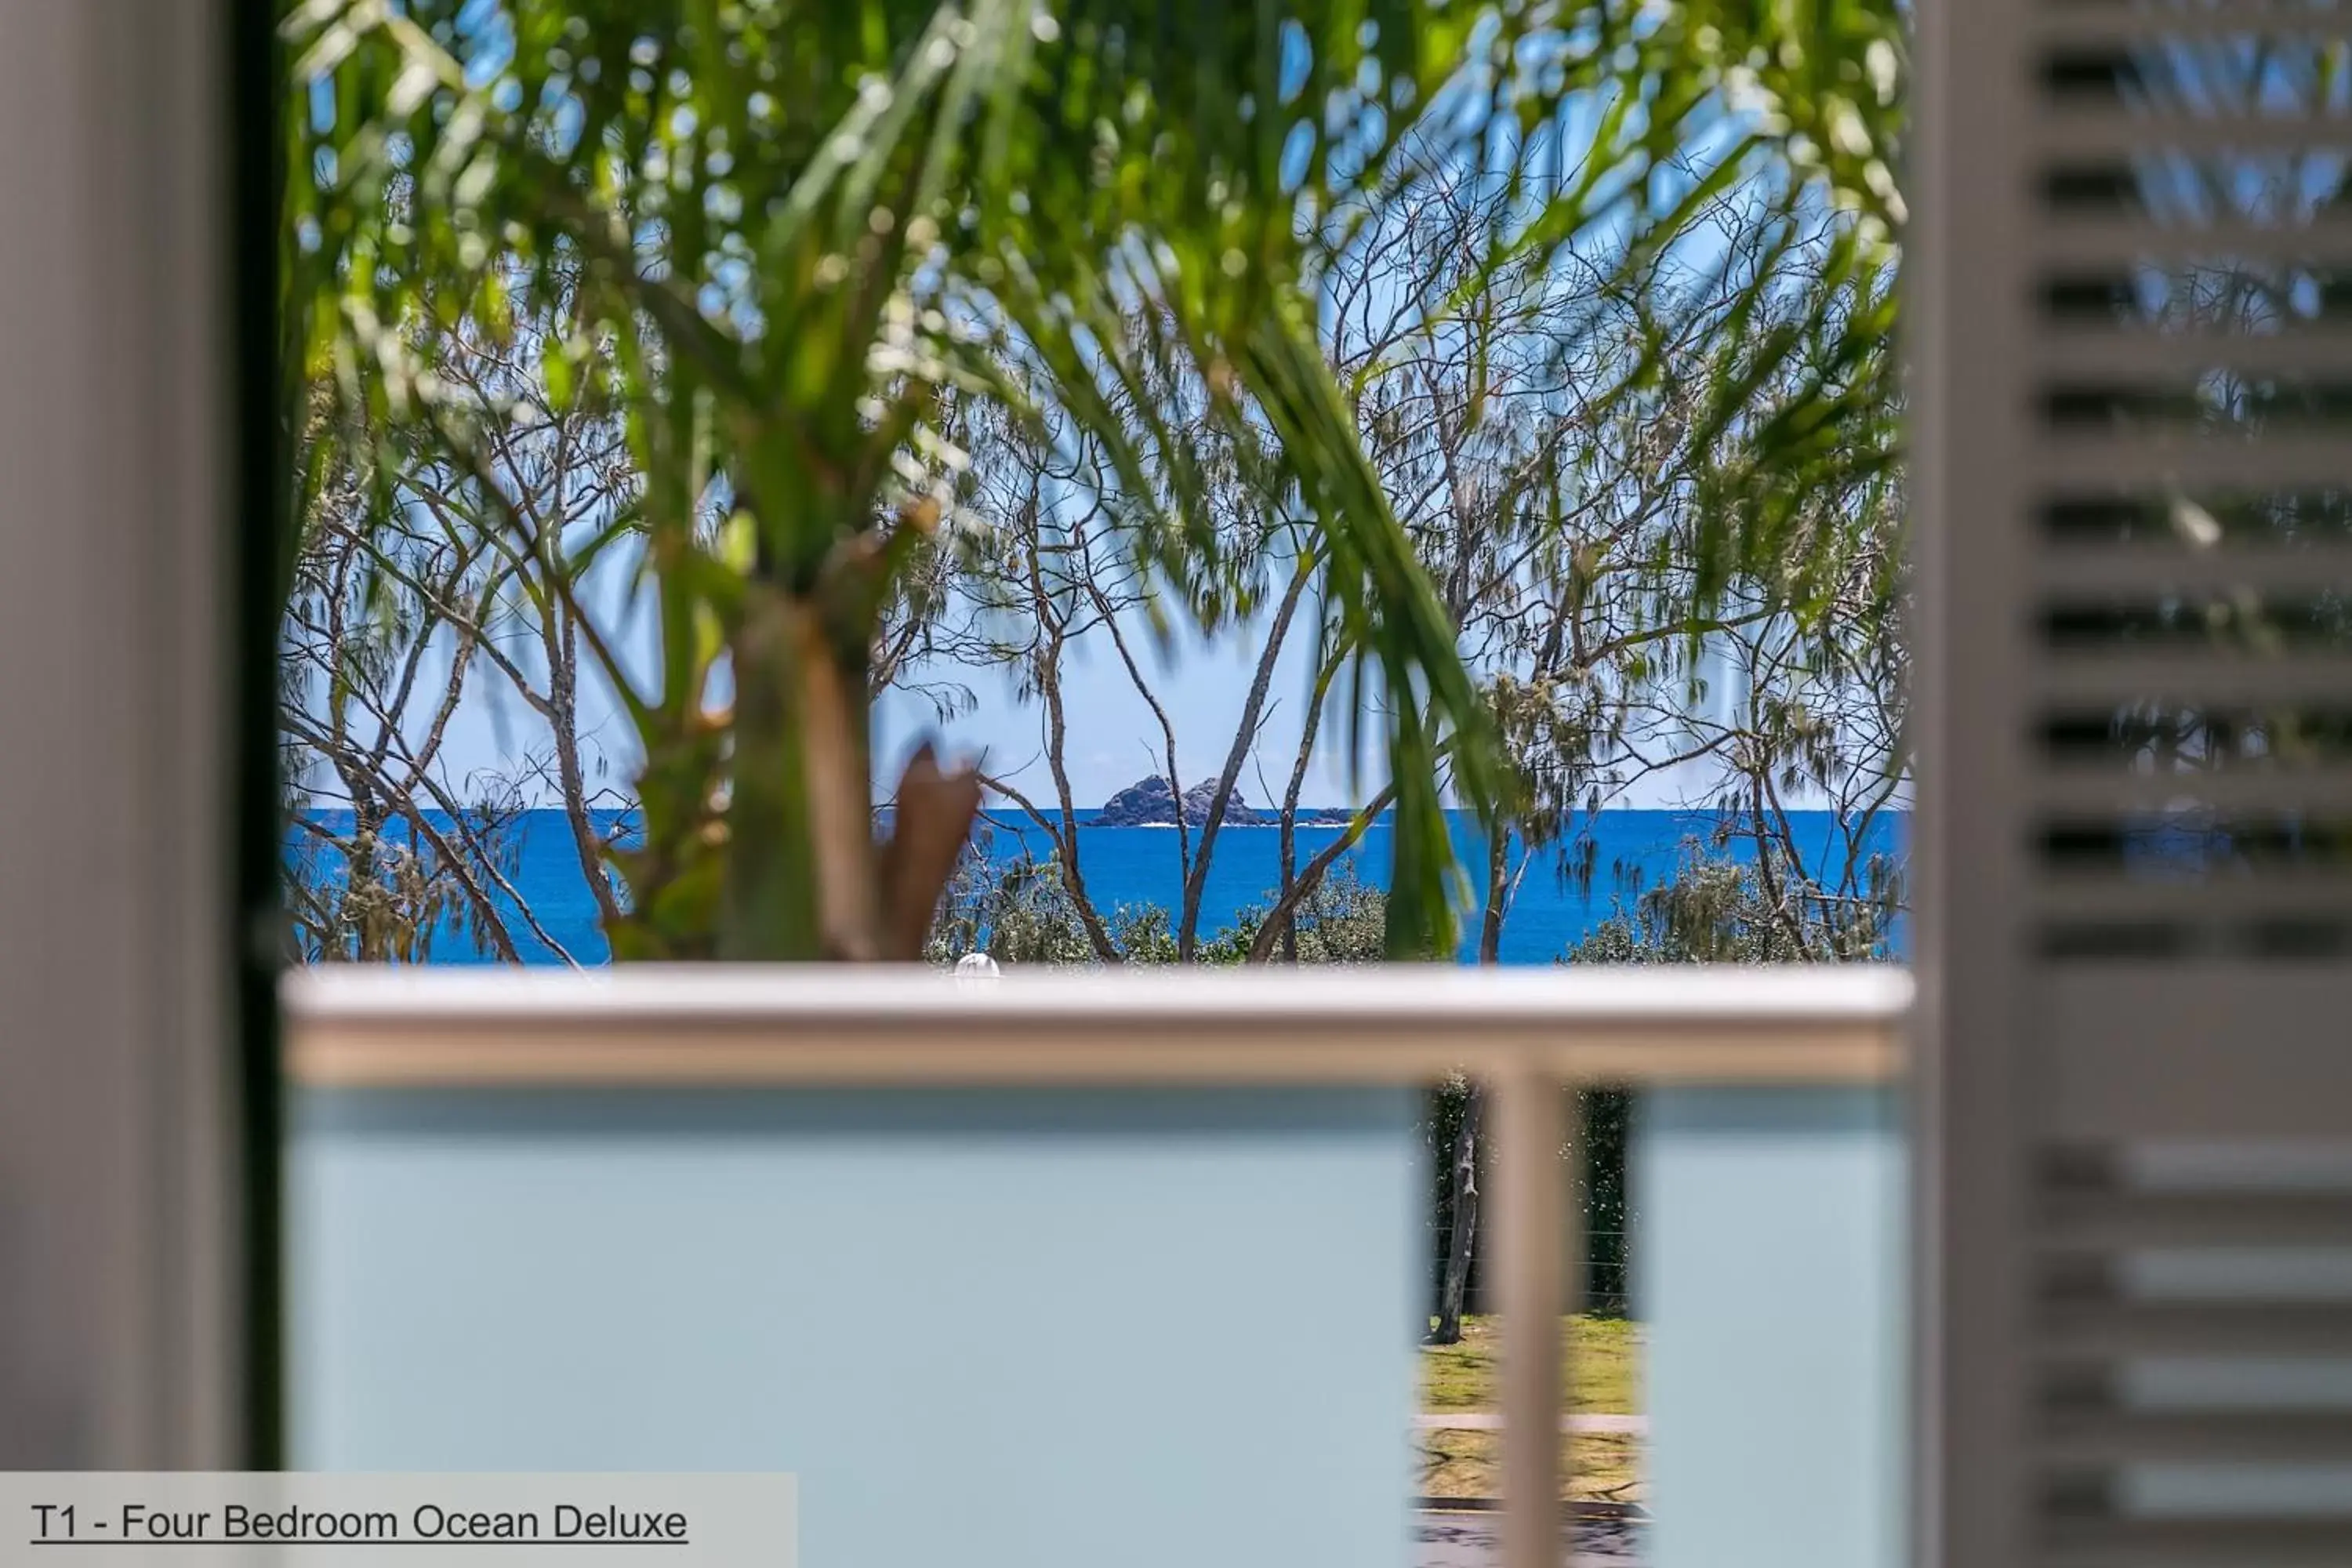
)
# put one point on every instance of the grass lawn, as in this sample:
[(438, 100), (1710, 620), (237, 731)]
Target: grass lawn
[(1600, 1467), (1602, 1373)]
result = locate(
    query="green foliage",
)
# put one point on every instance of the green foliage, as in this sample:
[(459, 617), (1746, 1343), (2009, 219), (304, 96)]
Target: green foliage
[(386, 852), (1019, 911), (1342, 920), (384, 888), (769, 237), (1768, 910)]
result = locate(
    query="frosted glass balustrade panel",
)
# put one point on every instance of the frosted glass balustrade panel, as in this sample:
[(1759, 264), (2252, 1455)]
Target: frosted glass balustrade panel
[(1003, 1328)]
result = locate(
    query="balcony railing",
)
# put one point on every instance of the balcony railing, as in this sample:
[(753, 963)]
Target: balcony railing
[(402, 1077)]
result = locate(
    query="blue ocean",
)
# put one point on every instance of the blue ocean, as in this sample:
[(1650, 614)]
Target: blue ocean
[(1140, 865)]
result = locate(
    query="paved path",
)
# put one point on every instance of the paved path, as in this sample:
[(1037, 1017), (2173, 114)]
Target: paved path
[(1483, 1421), (1474, 1540)]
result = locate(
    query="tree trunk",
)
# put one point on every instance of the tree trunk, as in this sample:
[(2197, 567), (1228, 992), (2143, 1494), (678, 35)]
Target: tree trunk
[(1284, 921), (564, 712), (1196, 874), (1461, 1237), (1065, 839), (800, 865), (1453, 1290), (801, 876), (1299, 890), (1498, 894)]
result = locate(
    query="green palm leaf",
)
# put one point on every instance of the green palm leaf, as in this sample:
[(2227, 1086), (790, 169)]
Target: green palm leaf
[(770, 235)]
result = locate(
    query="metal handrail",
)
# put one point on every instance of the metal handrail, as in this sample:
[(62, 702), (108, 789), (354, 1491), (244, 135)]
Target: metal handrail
[(837, 1024)]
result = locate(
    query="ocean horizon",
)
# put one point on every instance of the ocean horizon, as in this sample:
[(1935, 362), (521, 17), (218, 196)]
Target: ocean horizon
[(1138, 866)]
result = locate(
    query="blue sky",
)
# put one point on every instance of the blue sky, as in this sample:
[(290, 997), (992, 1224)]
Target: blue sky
[(1114, 738)]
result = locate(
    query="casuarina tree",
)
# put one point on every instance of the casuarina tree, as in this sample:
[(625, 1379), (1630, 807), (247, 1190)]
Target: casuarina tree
[(774, 241)]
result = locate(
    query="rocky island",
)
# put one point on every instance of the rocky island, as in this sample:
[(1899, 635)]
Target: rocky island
[(1150, 803)]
